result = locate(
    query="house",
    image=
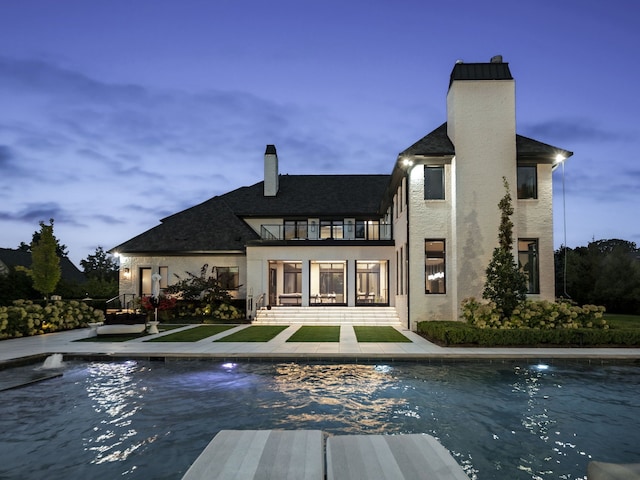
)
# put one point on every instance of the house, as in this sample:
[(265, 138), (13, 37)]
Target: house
[(11, 258), (417, 240)]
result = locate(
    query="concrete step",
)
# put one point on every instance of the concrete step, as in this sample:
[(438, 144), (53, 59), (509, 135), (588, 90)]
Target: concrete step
[(328, 316)]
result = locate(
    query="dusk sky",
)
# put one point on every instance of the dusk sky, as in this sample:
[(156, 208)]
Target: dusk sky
[(115, 114)]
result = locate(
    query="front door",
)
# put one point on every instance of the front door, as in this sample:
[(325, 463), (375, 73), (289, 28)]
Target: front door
[(273, 285)]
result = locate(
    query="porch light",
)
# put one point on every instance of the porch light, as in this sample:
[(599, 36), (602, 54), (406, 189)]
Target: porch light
[(127, 273), (407, 163), (560, 158)]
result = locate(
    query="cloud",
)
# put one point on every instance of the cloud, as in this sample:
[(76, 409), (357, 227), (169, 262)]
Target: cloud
[(33, 213), (571, 130)]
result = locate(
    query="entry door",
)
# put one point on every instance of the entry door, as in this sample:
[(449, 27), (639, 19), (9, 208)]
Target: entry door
[(273, 285)]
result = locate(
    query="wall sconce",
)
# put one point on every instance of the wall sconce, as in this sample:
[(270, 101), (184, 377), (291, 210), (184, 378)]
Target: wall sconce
[(350, 227), (313, 227), (127, 273)]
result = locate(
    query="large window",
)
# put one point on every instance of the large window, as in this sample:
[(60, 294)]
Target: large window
[(368, 229), (295, 229), (371, 282), (527, 182), (292, 277), (434, 266), (528, 263), (328, 281), (434, 182), (331, 229), (228, 277)]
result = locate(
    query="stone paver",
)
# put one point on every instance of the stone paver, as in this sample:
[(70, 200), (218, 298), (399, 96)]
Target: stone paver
[(278, 347)]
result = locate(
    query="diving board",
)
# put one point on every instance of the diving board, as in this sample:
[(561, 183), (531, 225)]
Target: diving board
[(390, 457), (261, 455)]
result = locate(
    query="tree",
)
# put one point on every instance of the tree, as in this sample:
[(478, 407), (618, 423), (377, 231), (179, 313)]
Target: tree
[(101, 265), (45, 263), (203, 287), (605, 272), (61, 250), (506, 284)]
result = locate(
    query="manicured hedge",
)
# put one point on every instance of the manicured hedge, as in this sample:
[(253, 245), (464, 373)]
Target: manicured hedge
[(460, 333), (25, 318)]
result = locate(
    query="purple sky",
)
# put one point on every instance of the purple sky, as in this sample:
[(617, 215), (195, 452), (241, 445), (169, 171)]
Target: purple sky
[(114, 114)]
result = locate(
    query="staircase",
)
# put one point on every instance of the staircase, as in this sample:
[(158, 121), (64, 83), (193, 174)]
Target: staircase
[(328, 316)]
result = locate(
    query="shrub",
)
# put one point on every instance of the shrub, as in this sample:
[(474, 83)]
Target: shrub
[(530, 314), (27, 318)]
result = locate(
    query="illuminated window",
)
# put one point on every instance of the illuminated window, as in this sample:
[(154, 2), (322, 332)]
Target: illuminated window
[(434, 266)]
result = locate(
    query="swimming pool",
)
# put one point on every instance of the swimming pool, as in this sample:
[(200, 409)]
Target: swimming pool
[(143, 419)]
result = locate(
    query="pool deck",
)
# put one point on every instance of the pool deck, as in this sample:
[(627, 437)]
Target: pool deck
[(348, 349)]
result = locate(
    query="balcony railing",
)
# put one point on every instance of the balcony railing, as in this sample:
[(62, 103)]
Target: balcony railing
[(334, 230)]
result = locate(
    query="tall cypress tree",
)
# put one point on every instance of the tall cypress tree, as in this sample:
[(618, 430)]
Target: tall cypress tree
[(506, 284)]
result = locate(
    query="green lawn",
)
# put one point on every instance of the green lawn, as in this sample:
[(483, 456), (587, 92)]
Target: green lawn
[(193, 334), (616, 320), (379, 335), (254, 333), (316, 334)]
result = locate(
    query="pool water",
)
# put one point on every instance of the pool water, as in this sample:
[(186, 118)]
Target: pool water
[(150, 420)]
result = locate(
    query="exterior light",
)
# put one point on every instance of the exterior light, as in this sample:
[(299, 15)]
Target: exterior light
[(127, 273), (560, 158), (406, 162)]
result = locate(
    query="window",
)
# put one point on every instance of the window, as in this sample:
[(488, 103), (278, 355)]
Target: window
[(228, 277), (371, 282), (527, 182), (368, 229), (327, 282), (434, 182), (164, 277), (331, 229), (434, 257), (528, 263), (292, 277), (295, 229)]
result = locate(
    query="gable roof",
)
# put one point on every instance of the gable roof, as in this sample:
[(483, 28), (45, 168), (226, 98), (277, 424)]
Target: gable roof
[(217, 224), (12, 258), (437, 143)]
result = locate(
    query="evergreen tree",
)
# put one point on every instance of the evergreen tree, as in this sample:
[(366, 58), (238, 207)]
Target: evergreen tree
[(506, 284)]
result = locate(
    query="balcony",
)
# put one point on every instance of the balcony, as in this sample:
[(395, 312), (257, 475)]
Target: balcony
[(327, 230)]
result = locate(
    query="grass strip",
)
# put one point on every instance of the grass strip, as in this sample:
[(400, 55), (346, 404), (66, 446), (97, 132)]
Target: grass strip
[(379, 335), (316, 333), (192, 334), (254, 333)]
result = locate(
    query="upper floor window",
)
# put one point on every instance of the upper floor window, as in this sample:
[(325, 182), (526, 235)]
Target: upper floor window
[(434, 182), (527, 182), (295, 229), (331, 229)]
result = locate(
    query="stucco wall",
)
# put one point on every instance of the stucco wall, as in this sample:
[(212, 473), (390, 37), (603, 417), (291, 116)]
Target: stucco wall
[(179, 265)]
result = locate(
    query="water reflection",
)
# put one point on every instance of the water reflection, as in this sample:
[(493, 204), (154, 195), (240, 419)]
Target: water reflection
[(117, 397), (348, 398)]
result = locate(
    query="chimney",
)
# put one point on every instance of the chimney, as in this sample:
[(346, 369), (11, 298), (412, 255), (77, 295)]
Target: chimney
[(270, 171)]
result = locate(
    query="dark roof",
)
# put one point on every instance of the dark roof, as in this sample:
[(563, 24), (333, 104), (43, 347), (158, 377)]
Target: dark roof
[(69, 272), (217, 224), (480, 71), (437, 143), (433, 144)]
